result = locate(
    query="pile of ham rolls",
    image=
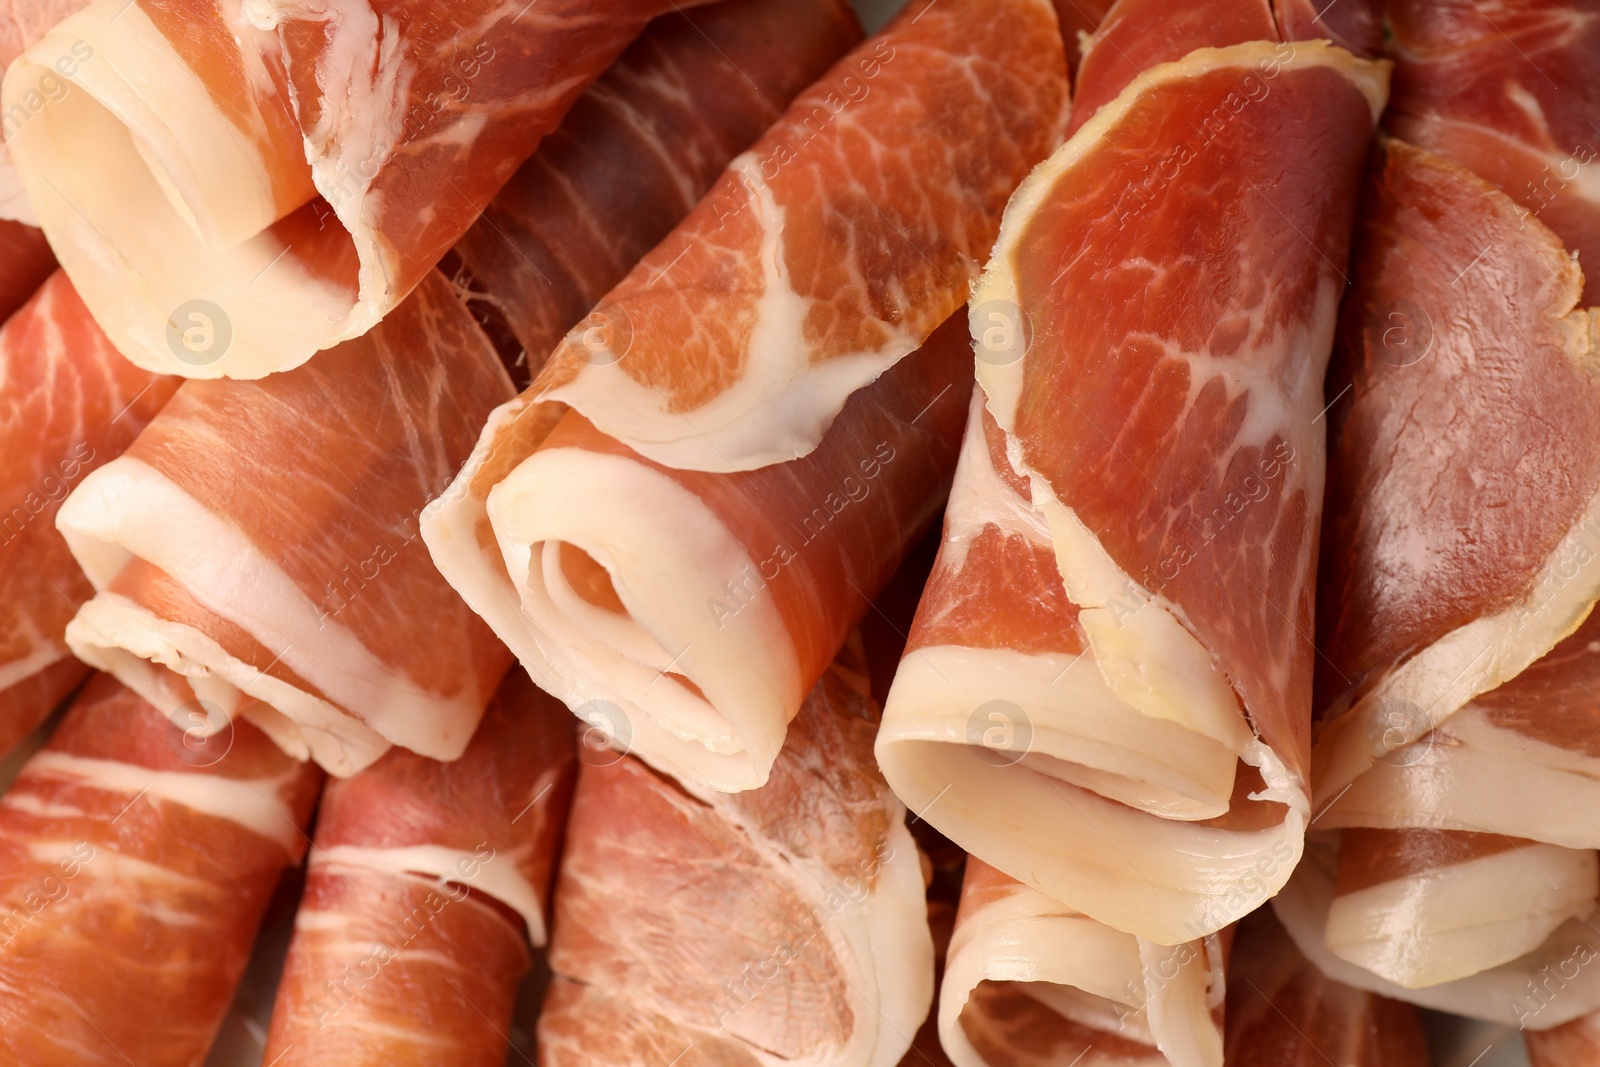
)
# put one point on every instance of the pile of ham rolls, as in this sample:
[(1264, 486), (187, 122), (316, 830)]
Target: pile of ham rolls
[(782, 533)]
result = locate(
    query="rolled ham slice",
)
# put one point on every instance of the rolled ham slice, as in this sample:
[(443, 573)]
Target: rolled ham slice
[(1510, 91), (784, 925), (692, 584), (1458, 657), (21, 24), (284, 174), (254, 554), (1107, 692), (136, 859), (1030, 981), (425, 885), (68, 404), (1284, 1012)]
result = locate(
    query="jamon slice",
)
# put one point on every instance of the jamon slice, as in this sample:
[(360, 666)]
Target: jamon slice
[(831, 249), (701, 600), (68, 404), (635, 154), (25, 262), (1031, 982), (785, 925), (1510, 90), (136, 859), (1107, 693), (1573, 1044), (425, 884), (288, 172), (1284, 1012), (256, 548), (23, 22)]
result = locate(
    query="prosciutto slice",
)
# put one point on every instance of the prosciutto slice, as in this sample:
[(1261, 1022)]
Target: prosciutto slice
[(136, 858), (1107, 692), (256, 548), (658, 549), (802, 902), (1457, 636), (21, 24), (285, 157), (1030, 981), (426, 882), (25, 262), (68, 404), (1510, 90), (1284, 1012)]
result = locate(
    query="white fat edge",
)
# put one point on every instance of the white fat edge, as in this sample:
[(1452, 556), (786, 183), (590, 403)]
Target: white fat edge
[(1163, 880), (116, 872), (249, 802), (29, 804), (1499, 995), (1459, 919), (1462, 779), (213, 173), (14, 202), (980, 498), (132, 256), (1180, 1003), (1027, 938), (501, 877), (882, 940), (1071, 716), (1471, 659), (46, 652), (149, 654), (1145, 653), (128, 503), (666, 574), (782, 403), (1003, 382)]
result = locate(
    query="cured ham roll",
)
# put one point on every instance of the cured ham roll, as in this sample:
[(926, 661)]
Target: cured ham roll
[(802, 902), (68, 404), (136, 859), (256, 549), (657, 554), (21, 24), (1284, 1012), (634, 155), (363, 644), (425, 885), (1510, 91), (1029, 980), (281, 157), (1107, 692)]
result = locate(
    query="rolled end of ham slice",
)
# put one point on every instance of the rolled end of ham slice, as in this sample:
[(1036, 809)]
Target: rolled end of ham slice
[(70, 405), (783, 923), (1029, 980), (263, 161), (426, 882), (256, 553), (135, 865)]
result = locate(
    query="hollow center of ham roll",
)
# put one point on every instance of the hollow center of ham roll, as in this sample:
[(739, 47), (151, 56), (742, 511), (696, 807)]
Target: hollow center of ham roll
[(627, 600)]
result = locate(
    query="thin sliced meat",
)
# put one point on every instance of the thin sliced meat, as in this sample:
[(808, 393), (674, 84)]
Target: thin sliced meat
[(1456, 687), (1107, 693), (635, 154), (256, 548), (136, 859), (25, 263), (706, 630), (22, 22), (1031, 983), (690, 609), (68, 404), (1284, 1012), (831, 249), (426, 882), (1510, 90), (285, 173), (784, 925), (1573, 1044)]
